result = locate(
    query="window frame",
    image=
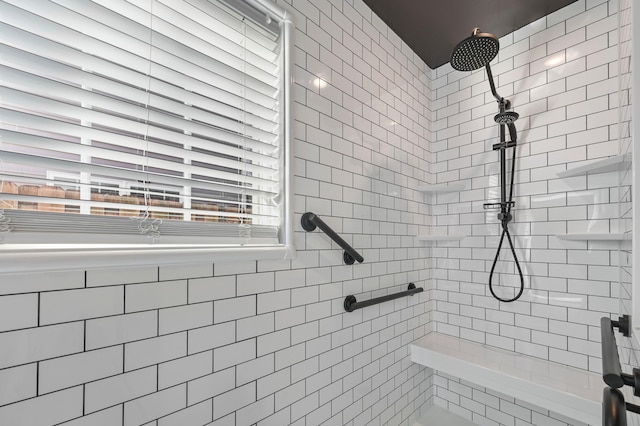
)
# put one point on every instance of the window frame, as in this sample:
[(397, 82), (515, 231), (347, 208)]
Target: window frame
[(18, 258)]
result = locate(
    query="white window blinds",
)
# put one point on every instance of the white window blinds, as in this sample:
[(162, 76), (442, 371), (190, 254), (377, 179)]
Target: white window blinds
[(141, 121)]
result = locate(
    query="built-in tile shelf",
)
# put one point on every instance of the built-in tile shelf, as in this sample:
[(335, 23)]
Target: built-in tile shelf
[(569, 391), (610, 164), (441, 188), (607, 236), (453, 237)]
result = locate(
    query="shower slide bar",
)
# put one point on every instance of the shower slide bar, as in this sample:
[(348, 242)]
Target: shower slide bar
[(351, 304), (613, 405), (310, 221)]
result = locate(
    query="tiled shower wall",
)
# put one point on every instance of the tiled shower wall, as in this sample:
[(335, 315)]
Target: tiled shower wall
[(266, 342), (561, 75)]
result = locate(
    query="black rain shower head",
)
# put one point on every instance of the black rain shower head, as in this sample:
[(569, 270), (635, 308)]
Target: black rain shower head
[(475, 52)]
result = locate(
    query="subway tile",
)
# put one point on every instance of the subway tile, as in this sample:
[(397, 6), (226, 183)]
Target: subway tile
[(19, 311), (109, 417), (205, 338), (233, 309), (18, 383), (36, 344), (210, 385), (273, 301), (182, 318), (255, 326), (115, 276), (177, 272), (255, 283), (45, 410), (118, 389), (155, 350), (120, 329), (158, 404), (234, 400), (182, 370), (198, 414), (140, 297), (206, 289), (72, 370), (254, 369), (236, 353), (256, 411), (73, 305), (41, 281)]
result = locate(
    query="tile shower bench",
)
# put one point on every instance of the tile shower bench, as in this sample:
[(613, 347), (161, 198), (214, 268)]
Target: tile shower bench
[(569, 391)]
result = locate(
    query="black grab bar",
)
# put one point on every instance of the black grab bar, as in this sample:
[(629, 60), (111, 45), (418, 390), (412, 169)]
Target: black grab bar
[(309, 222), (351, 304), (611, 371), (614, 408)]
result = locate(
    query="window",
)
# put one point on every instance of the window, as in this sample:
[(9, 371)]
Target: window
[(152, 125)]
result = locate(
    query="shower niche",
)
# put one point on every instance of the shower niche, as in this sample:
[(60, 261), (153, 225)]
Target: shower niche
[(441, 188), (617, 163)]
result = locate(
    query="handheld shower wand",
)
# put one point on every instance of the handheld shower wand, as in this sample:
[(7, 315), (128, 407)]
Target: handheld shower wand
[(471, 54)]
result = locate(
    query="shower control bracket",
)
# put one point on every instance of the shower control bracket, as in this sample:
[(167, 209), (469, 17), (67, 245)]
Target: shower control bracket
[(489, 206), (503, 145)]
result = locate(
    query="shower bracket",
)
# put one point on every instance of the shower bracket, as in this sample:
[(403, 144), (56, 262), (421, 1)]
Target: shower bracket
[(488, 206), (504, 145)]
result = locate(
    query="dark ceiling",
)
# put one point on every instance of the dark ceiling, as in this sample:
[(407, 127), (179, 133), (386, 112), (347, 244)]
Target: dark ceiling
[(432, 28)]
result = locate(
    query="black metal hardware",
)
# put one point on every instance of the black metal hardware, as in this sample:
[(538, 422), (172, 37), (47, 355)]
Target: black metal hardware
[(488, 206), (611, 371), (310, 221), (503, 145), (351, 304), (614, 409), (623, 325)]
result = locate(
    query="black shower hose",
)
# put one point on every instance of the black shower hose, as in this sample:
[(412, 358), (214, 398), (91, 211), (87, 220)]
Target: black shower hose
[(505, 231)]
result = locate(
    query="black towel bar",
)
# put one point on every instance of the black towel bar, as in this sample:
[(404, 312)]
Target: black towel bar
[(351, 304), (309, 221)]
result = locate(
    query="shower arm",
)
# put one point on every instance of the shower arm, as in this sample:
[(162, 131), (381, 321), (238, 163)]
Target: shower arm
[(504, 103)]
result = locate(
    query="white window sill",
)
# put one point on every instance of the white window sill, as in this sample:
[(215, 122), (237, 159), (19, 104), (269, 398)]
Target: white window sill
[(31, 258)]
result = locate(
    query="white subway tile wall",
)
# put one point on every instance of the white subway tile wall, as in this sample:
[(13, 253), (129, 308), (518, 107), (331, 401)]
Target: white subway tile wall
[(569, 285), (561, 74), (264, 343)]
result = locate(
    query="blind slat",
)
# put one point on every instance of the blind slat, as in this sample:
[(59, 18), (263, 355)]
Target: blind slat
[(132, 76), (127, 50), (242, 180), (36, 103), (167, 183), (71, 130), (57, 148)]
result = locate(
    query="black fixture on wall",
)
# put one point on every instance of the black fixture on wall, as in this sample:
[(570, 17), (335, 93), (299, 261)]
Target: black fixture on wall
[(473, 53), (611, 371), (310, 221), (351, 303), (614, 408)]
